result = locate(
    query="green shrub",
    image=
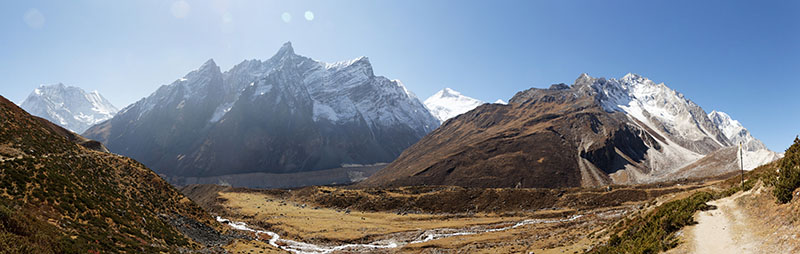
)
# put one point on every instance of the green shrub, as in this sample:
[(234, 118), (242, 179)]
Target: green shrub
[(654, 232), (789, 176)]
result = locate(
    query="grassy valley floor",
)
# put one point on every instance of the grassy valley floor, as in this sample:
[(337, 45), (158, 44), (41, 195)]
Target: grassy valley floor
[(472, 220)]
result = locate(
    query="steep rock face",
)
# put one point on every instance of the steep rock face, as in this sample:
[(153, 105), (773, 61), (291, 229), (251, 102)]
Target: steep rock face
[(69, 106), (286, 114), (595, 132), (155, 129)]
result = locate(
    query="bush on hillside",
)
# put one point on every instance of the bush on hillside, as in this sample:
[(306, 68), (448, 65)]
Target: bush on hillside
[(789, 176), (654, 232)]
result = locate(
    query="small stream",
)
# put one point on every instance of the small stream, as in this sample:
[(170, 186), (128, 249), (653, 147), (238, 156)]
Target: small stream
[(427, 235)]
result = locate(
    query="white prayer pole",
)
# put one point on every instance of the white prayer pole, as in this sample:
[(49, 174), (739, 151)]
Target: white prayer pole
[(741, 162)]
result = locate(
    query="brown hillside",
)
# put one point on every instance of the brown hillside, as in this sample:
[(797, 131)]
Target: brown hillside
[(558, 137), (56, 196)]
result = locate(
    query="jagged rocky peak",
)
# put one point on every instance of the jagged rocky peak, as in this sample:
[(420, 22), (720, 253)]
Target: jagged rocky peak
[(207, 70), (735, 131), (286, 49), (68, 106), (209, 65)]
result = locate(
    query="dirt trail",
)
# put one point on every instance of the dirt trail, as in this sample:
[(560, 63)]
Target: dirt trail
[(726, 229)]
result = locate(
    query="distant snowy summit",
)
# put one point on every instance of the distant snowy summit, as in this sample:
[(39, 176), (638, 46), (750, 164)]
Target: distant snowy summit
[(449, 103), (68, 106)]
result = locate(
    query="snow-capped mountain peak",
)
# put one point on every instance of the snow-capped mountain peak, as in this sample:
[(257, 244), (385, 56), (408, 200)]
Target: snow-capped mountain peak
[(755, 152), (447, 92), (448, 103), (687, 131), (208, 68), (660, 108), (735, 131), (68, 106)]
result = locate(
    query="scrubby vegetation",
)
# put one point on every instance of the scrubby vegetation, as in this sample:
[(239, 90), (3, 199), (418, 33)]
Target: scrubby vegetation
[(789, 176), (20, 232), (653, 233), (58, 197)]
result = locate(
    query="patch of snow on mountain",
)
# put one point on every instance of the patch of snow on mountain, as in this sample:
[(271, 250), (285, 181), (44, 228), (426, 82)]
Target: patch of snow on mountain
[(323, 111), (449, 103), (221, 111)]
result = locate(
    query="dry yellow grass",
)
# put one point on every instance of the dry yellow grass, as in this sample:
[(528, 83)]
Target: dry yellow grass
[(250, 247), (301, 223), (296, 215), (331, 227)]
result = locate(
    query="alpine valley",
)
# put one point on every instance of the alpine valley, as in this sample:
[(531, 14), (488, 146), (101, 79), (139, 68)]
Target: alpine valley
[(533, 132), (249, 151)]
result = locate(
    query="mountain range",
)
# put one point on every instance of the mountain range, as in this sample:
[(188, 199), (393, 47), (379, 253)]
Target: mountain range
[(286, 114), (291, 114), (595, 132), (69, 106)]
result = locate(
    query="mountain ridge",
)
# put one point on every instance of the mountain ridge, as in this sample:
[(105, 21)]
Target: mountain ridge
[(286, 114), (595, 132)]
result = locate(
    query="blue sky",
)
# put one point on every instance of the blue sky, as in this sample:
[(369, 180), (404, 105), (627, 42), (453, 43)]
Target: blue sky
[(741, 57)]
